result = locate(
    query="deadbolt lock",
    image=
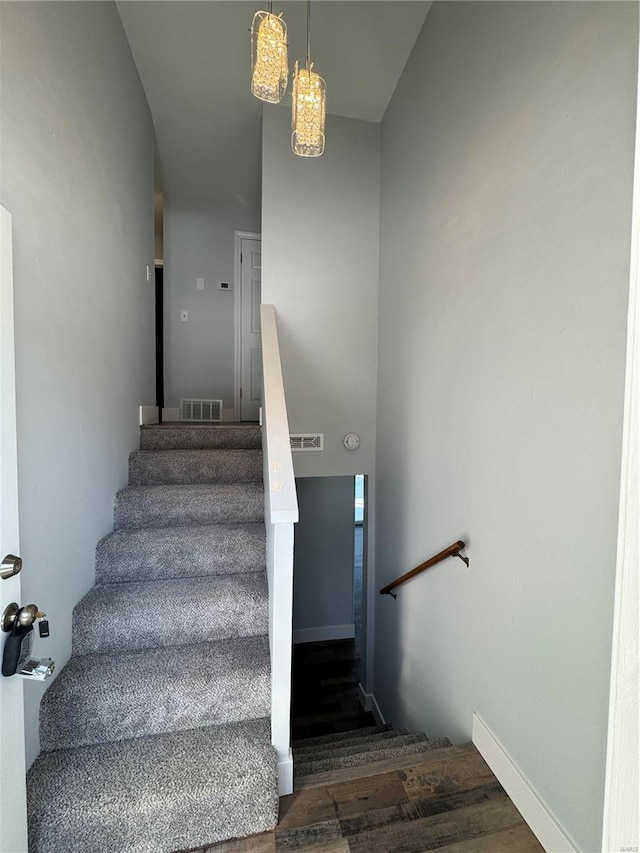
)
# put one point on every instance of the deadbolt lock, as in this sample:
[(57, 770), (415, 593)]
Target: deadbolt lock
[(11, 565)]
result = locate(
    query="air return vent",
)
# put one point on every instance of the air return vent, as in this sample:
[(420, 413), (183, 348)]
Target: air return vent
[(200, 410), (307, 441)]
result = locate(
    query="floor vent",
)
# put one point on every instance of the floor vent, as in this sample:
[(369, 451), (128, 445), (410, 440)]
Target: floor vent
[(200, 410), (307, 441)]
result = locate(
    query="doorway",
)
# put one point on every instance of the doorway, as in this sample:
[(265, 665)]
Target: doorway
[(248, 384)]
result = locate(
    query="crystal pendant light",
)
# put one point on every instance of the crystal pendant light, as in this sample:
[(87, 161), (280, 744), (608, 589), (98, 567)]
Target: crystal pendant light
[(269, 63), (309, 105)]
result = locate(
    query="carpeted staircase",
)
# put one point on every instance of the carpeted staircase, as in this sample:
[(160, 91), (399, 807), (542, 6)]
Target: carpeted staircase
[(318, 759), (156, 734)]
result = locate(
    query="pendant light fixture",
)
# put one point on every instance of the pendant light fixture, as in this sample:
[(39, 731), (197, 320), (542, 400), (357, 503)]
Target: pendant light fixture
[(269, 63), (309, 105)]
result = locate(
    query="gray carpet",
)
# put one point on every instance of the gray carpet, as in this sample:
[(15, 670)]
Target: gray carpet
[(150, 467), (155, 794), (121, 617), (156, 734), (164, 506), (162, 553), (156, 691), (200, 438)]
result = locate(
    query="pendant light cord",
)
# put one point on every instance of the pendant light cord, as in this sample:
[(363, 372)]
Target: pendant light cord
[(308, 34)]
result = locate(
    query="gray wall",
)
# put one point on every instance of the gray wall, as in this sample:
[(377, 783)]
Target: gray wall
[(77, 175), (506, 199), (320, 221), (199, 243), (323, 553)]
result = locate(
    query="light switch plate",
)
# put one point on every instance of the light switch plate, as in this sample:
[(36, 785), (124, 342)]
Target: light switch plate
[(199, 284)]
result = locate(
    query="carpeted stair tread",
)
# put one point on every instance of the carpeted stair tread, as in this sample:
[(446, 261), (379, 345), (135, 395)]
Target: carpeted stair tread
[(161, 553), (155, 794), (347, 747), (200, 437), (127, 616), (173, 505), (156, 691), (153, 467), (336, 737), (410, 744)]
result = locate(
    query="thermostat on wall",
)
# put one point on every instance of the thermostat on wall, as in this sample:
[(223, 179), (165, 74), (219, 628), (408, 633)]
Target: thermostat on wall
[(225, 285), (352, 441)]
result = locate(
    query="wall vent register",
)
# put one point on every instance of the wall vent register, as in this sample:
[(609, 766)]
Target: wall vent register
[(200, 411), (307, 441)]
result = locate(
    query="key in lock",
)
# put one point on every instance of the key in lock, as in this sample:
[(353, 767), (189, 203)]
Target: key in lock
[(16, 657)]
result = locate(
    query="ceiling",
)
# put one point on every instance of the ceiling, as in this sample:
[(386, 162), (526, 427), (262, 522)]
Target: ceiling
[(194, 63)]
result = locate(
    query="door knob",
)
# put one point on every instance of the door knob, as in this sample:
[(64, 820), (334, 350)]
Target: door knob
[(23, 616)]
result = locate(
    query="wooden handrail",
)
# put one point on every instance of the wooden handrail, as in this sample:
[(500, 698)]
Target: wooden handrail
[(451, 551)]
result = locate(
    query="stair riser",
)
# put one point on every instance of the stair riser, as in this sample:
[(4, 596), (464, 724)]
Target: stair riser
[(195, 466), (200, 438), (417, 743), (348, 746), (165, 553), (156, 692), (164, 509), (338, 737)]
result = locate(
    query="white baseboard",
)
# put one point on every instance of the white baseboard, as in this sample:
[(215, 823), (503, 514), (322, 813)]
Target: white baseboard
[(539, 818), (148, 415), (285, 775), (326, 632), (369, 703)]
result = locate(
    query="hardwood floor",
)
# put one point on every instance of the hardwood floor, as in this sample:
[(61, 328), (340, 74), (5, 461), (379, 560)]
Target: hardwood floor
[(446, 800)]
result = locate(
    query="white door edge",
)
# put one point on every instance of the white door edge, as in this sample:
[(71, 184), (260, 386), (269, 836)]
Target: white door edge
[(13, 808), (621, 825)]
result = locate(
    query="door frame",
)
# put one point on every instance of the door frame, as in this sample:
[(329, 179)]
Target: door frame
[(239, 236), (13, 802), (621, 827)]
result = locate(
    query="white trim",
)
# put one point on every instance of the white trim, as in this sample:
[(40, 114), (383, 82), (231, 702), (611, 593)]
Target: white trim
[(370, 703), (537, 815), (171, 414), (326, 632), (13, 802), (281, 500), (237, 317), (280, 514), (621, 824), (228, 415), (148, 415), (285, 775)]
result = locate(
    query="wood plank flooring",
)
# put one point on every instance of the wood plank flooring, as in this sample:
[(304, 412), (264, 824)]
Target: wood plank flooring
[(446, 800)]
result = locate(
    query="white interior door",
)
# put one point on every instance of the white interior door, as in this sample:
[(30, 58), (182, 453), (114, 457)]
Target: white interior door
[(13, 809), (250, 334)]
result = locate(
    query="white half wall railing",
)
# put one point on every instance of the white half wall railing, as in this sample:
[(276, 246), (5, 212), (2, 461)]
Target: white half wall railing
[(280, 514)]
